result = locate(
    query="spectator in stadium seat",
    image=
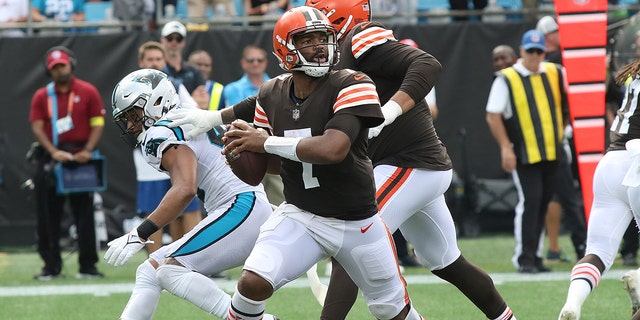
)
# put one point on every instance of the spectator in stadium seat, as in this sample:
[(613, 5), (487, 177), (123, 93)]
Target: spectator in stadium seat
[(13, 11), (213, 100)]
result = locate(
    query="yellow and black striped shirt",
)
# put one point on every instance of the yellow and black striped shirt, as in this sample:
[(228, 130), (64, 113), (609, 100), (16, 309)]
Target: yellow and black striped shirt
[(536, 127)]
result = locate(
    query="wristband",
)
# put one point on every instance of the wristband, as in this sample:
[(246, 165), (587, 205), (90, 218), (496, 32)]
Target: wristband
[(146, 229), (215, 118), (282, 146), (391, 110)]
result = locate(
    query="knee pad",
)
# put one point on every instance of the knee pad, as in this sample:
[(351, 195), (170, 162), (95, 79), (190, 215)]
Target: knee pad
[(195, 288), (146, 275), (170, 278)]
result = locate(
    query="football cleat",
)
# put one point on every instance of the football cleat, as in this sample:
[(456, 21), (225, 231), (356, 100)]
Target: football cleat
[(267, 316), (569, 313), (630, 284)]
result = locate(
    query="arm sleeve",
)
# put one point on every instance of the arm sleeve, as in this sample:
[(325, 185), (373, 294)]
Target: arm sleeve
[(347, 123), (416, 70), (245, 109)]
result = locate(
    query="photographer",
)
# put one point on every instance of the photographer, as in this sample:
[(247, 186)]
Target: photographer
[(67, 119)]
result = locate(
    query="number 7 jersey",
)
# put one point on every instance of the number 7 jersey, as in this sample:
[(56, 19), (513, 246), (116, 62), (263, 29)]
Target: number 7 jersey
[(344, 190)]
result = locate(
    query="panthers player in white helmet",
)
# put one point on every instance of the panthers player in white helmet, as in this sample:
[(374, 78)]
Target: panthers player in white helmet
[(221, 241)]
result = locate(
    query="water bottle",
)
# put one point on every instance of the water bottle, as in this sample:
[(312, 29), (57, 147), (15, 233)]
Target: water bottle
[(169, 11), (493, 13)]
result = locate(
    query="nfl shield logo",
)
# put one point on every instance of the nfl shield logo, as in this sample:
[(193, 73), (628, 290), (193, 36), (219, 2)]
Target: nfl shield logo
[(295, 114)]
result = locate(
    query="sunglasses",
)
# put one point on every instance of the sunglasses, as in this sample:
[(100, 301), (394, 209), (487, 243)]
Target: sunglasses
[(172, 38), (252, 60), (535, 50)]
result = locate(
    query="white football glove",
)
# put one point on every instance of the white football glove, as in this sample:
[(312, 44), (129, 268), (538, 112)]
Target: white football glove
[(122, 249), (201, 120), (391, 110)]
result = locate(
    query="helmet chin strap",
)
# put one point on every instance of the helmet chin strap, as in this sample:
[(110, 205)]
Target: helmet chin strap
[(148, 122), (140, 136)]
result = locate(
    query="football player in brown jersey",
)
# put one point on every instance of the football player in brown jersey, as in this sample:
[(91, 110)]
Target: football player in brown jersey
[(319, 120), (405, 154)]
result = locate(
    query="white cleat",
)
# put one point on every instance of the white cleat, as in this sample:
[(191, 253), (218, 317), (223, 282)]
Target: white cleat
[(569, 313), (630, 284), (267, 316)]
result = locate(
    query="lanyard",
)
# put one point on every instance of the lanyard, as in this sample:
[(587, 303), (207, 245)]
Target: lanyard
[(53, 110)]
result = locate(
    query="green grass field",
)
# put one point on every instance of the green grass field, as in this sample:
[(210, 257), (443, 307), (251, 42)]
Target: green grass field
[(531, 296)]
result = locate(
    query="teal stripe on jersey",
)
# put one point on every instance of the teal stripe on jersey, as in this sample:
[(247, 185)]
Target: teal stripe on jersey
[(221, 227), (177, 131)]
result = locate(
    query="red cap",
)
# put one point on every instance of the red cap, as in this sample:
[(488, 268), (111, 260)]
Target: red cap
[(409, 42), (57, 57)]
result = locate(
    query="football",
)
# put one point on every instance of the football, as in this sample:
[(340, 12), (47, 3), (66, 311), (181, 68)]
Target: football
[(249, 166)]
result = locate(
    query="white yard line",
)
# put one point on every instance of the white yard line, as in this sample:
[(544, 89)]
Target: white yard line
[(230, 285)]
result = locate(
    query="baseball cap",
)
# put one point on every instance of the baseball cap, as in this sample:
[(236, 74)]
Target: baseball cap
[(547, 25), (57, 57), (533, 39), (174, 27)]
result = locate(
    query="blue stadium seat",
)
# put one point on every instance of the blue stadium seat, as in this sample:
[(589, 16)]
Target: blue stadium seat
[(297, 3), (510, 4), (240, 7), (181, 9), (426, 5), (430, 5), (627, 2), (96, 11)]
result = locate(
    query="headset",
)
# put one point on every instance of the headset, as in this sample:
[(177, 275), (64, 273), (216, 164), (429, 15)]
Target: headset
[(72, 58)]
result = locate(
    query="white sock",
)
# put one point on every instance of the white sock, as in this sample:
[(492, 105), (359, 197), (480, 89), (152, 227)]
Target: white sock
[(584, 279), (245, 308), (195, 288), (145, 294)]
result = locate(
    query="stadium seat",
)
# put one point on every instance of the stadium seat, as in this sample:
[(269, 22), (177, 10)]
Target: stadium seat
[(626, 3), (297, 3), (181, 9), (240, 7), (511, 5), (439, 6), (97, 11), (426, 5)]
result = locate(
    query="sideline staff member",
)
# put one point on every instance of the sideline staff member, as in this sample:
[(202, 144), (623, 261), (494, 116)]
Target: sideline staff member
[(525, 112), (67, 119)]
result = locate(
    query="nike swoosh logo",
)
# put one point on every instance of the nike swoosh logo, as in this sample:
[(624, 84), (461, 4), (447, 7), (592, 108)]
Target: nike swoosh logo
[(365, 25), (358, 78), (363, 230), (127, 95)]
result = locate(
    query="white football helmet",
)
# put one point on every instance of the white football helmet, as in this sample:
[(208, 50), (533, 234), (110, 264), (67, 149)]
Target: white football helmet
[(146, 89)]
